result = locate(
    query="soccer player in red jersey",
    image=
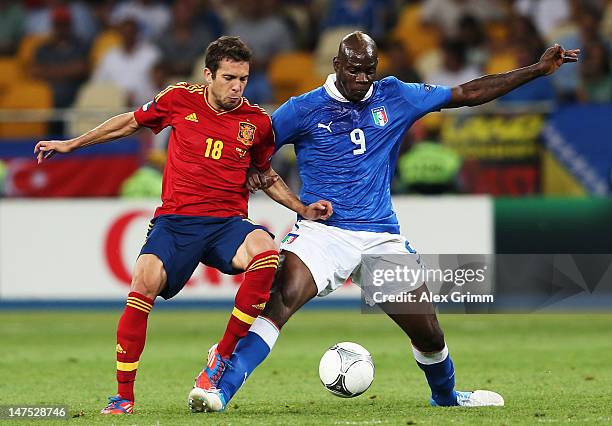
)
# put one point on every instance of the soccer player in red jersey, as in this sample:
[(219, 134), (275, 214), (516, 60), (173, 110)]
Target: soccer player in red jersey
[(216, 136)]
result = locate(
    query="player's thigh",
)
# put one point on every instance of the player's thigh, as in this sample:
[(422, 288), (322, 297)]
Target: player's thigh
[(416, 315), (149, 277), (330, 254), (235, 243), (257, 241), (293, 287), (389, 269), (177, 242)]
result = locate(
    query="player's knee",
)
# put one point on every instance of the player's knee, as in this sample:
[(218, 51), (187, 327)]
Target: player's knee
[(260, 241)]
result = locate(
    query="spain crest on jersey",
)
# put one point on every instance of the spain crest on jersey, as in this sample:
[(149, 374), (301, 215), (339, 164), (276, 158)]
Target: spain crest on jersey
[(380, 116), (246, 133)]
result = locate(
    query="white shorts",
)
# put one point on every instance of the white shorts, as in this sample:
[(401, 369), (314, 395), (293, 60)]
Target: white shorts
[(333, 254)]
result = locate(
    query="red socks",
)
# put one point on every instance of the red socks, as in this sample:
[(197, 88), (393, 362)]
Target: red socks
[(131, 335), (251, 299)]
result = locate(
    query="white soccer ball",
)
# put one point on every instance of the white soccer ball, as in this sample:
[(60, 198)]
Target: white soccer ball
[(346, 369)]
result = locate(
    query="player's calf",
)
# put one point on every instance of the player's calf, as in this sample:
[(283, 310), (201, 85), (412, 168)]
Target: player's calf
[(251, 299)]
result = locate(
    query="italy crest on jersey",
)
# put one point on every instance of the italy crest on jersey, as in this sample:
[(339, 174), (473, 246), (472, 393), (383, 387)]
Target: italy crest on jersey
[(380, 116), (246, 133)]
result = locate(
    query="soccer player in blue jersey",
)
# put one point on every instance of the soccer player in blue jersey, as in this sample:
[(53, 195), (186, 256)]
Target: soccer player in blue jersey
[(347, 136)]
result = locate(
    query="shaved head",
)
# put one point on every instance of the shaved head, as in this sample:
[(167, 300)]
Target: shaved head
[(355, 65), (357, 43)]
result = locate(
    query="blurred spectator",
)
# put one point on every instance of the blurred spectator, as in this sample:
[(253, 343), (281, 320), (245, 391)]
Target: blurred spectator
[(528, 48), (429, 168), (206, 16), (184, 42), (589, 20), (455, 69), (12, 21), (267, 35), (546, 14), (303, 18), (129, 65), (399, 64), (500, 48), (606, 23), (39, 20), (146, 182), (446, 14), (152, 16), (567, 80), (472, 35), (107, 36), (596, 85), (61, 60), (371, 16)]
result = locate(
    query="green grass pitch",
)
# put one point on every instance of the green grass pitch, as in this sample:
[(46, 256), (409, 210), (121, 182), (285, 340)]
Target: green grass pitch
[(549, 368)]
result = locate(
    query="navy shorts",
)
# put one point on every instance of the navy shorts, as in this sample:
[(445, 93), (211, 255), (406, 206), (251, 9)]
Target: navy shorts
[(181, 242)]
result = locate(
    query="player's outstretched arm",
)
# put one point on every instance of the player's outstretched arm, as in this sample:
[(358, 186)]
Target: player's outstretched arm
[(489, 87), (114, 128), (276, 188)]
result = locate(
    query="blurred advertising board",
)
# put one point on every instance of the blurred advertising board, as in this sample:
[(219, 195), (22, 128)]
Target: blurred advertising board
[(85, 249), (500, 150)]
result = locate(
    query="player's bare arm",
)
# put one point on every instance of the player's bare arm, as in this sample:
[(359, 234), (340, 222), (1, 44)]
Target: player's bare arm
[(276, 188), (489, 87), (116, 127)]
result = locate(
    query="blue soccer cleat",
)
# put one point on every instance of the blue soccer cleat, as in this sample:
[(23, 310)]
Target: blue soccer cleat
[(118, 405), (478, 398)]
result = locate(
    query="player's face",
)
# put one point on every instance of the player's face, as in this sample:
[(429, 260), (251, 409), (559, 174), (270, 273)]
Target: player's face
[(226, 87), (355, 72)]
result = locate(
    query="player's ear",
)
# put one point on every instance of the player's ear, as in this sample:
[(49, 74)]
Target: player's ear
[(336, 63), (208, 76)]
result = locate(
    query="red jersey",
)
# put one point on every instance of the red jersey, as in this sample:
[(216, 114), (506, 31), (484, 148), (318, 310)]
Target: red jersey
[(209, 151)]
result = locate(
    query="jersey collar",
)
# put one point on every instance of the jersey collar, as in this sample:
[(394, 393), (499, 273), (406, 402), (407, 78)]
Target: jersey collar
[(332, 90)]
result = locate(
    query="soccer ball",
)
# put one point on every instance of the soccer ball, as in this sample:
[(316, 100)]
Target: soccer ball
[(346, 369)]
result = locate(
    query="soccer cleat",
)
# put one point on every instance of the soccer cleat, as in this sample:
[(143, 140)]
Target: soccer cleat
[(478, 398), (210, 375), (204, 401), (118, 405)]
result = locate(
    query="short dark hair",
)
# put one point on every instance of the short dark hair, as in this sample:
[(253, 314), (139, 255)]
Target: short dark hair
[(226, 47)]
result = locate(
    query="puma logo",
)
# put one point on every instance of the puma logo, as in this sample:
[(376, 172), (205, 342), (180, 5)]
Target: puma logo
[(325, 126)]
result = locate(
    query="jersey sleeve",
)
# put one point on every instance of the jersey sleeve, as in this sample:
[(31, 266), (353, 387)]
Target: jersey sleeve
[(157, 113), (425, 98), (285, 122), (263, 148)]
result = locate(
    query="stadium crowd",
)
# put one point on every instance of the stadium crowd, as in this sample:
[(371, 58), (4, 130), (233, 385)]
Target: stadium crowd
[(54, 53)]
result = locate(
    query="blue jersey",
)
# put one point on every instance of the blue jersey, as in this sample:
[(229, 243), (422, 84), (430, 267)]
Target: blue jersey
[(347, 151)]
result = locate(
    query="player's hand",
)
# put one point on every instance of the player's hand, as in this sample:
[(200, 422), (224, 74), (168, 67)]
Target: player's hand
[(321, 210), (257, 180), (556, 56), (47, 149)]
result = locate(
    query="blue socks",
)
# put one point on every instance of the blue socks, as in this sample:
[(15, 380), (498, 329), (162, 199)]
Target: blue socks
[(250, 351), (440, 373)]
